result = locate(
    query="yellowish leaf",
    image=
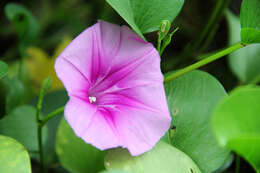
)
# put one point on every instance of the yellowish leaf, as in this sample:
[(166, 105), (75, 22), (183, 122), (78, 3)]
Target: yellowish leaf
[(40, 65)]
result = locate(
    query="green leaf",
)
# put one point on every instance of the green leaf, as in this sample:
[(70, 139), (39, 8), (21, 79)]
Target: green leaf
[(236, 123), (26, 25), (114, 171), (245, 63), (162, 158), (13, 92), (191, 99), (250, 21), (13, 156), (3, 69), (21, 125), (146, 16), (74, 154)]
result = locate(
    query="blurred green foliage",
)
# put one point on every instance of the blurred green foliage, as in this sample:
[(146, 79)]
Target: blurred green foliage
[(236, 123), (13, 156)]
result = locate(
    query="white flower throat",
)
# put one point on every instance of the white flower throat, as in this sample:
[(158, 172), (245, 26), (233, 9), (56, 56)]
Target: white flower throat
[(92, 99)]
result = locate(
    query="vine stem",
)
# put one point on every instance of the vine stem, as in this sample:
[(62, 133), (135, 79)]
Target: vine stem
[(41, 123), (204, 61), (39, 131), (51, 115)]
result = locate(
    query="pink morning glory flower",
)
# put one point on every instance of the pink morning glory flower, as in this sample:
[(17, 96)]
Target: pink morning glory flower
[(115, 85)]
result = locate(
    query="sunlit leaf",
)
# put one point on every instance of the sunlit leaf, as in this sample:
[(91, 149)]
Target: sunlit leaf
[(114, 171), (236, 123), (162, 158), (13, 156), (40, 65)]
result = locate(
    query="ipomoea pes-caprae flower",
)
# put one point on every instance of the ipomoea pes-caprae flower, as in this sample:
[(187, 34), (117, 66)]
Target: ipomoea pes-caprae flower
[(115, 85)]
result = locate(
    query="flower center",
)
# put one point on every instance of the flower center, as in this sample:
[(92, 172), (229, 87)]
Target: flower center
[(92, 99)]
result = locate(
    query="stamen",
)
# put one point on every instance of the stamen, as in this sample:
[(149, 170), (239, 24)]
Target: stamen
[(92, 99)]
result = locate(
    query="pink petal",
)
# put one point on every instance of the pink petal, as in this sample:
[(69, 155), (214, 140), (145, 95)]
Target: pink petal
[(120, 46), (79, 114), (101, 132), (72, 78), (140, 129), (83, 53), (92, 125), (141, 80)]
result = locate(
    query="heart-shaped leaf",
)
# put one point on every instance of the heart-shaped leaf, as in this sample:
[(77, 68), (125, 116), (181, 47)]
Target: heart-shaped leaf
[(163, 158), (76, 155), (21, 125), (146, 16), (13, 156), (114, 171), (236, 122), (191, 99), (13, 93)]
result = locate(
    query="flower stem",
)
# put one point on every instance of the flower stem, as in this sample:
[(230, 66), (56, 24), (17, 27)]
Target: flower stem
[(51, 115), (41, 123), (205, 61), (39, 131), (46, 85)]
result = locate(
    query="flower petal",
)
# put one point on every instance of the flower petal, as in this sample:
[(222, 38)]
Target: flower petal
[(126, 45), (142, 80), (140, 129), (101, 132), (118, 47), (79, 114), (71, 77), (93, 125), (83, 54)]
